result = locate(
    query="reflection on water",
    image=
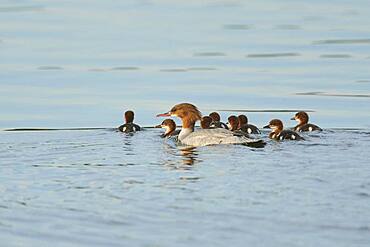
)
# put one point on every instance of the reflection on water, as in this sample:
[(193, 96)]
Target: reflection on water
[(180, 157), (189, 155)]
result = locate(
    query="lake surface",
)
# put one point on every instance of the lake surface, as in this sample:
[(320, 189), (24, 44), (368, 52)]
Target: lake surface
[(104, 188), (83, 63)]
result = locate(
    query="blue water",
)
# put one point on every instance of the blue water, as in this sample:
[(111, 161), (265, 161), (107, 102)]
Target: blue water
[(83, 63)]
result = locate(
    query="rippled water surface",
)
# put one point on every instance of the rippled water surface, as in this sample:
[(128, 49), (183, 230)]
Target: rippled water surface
[(83, 63), (104, 188)]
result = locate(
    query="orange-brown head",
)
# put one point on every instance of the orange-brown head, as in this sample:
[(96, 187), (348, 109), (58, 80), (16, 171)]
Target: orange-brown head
[(275, 124), (301, 117), (233, 122), (188, 113), (242, 120), (205, 123), (215, 116), (129, 116)]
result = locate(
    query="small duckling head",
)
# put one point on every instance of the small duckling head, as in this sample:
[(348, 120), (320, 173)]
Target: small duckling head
[(275, 124), (215, 116), (243, 119), (129, 116), (301, 117), (233, 123), (206, 121), (168, 124)]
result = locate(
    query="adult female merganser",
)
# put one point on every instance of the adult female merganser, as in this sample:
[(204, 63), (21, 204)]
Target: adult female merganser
[(170, 126), (206, 122), (189, 114), (303, 125), (245, 127), (279, 134), (129, 126), (216, 121)]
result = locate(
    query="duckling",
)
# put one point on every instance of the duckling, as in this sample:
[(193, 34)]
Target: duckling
[(206, 122), (129, 126), (245, 127), (170, 126), (233, 124), (303, 125), (278, 132), (216, 121)]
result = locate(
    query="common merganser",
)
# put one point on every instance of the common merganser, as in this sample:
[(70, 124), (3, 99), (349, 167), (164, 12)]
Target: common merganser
[(170, 128), (129, 126), (278, 132), (189, 114), (303, 125), (205, 122), (216, 121), (245, 127)]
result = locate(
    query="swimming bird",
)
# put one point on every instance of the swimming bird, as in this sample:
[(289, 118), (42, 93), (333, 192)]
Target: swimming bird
[(170, 128), (206, 122), (278, 132), (303, 125), (233, 124), (189, 114), (245, 127), (129, 126), (216, 121)]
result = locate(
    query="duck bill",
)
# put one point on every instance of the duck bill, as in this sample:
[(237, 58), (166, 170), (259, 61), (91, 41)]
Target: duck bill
[(167, 114), (267, 127), (158, 126), (293, 118)]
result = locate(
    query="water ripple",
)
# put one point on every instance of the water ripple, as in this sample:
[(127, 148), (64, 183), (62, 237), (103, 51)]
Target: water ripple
[(125, 68), (273, 55), (11, 9), (335, 56), (50, 68), (237, 26), (341, 42), (334, 94), (209, 54)]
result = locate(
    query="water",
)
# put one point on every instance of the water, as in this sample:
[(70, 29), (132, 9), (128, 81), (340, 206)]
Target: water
[(103, 188), (81, 64)]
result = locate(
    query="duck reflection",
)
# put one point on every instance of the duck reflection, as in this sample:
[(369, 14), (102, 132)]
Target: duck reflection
[(127, 144), (188, 157)]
